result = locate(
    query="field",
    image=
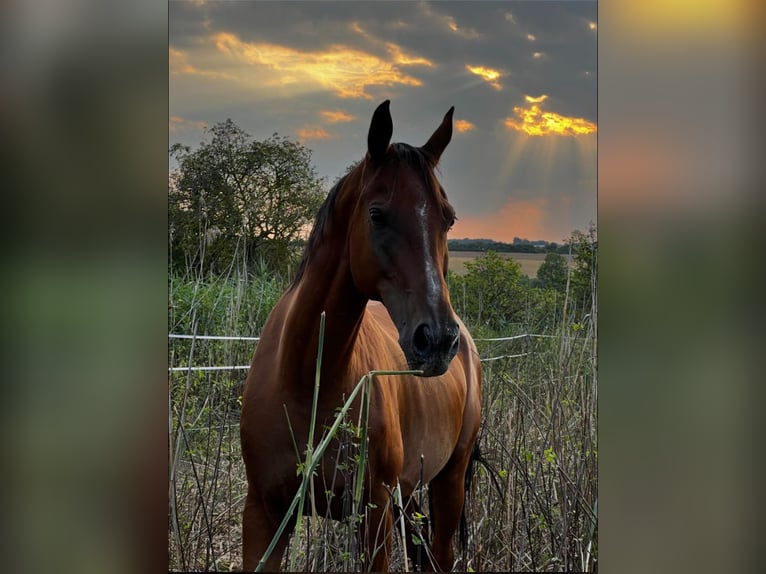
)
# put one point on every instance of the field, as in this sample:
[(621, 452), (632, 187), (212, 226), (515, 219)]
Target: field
[(531, 507), (529, 262)]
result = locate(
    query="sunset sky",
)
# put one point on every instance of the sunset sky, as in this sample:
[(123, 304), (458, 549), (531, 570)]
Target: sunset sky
[(521, 75)]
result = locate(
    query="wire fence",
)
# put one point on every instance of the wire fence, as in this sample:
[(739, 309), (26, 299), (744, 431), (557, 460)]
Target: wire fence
[(533, 508), (256, 339)]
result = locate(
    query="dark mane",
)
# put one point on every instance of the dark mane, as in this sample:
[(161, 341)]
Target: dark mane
[(319, 225), (406, 154)]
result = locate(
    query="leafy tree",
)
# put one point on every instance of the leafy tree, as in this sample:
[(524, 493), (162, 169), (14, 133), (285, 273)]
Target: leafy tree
[(582, 283), (238, 202), (491, 291), (552, 273)]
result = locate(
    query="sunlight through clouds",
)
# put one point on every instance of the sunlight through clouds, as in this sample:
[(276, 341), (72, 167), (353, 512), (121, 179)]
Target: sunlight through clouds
[(487, 74), (179, 65), (516, 217), (345, 71), (536, 122), (449, 22)]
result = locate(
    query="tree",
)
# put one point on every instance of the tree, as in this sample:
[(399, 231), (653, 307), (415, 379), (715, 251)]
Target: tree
[(582, 282), (493, 290), (552, 273), (238, 202)]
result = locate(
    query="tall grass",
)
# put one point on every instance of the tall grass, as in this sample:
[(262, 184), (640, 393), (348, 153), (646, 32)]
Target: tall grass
[(531, 507)]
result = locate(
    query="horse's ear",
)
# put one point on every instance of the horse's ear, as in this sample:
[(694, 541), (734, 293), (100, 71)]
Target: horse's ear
[(441, 137), (381, 129)]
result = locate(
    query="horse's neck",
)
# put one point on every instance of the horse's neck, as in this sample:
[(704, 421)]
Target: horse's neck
[(325, 286)]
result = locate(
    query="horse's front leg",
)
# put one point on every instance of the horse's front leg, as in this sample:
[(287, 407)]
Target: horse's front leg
[(448, 496), (376, 531), (257, 532)]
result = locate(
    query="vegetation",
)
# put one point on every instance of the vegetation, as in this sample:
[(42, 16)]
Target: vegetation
[(518, 246), (237, 209), (531, 507), (553, 273), (235, 203)]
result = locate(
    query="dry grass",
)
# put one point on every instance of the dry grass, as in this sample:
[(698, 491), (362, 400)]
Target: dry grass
[(532, 511), (532, 507)]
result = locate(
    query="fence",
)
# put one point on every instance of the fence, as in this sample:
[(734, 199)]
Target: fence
[(538, 433), (256, 339)]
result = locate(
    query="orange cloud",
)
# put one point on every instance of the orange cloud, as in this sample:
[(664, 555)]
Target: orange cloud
[(536, 122), (177, 123), (313, 133), (396, 52), (405, 59), (468, 33), (336, 116), (346, 71), (517, 218), (449, 22), (179, 65), (488, 74), (464, 126)]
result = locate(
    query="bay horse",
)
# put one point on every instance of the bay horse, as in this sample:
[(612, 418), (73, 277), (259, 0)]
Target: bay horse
[(375, 263)]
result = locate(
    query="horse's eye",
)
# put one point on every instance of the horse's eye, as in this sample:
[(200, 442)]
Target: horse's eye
[(451, 222), (377, 216)]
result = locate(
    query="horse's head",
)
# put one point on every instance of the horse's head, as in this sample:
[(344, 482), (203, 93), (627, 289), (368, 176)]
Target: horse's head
[(398, 241)]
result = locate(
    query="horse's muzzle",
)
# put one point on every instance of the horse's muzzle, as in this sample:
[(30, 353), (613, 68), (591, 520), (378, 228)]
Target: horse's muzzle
[(432, 348)]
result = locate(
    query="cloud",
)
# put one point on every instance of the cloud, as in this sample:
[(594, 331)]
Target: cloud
[(313, 133), (347, 72), (179, 65), (487, 74), (396, 52), (449, 22), (533, 121), (178, 123), (336, 116), (405, 59), (464, 126)]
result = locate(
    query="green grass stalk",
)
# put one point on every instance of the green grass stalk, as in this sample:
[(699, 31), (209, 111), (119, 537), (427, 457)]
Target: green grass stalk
[(309, 463), (317, 456)]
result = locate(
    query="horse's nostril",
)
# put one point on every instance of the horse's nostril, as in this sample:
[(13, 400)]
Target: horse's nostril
[(421, 340)]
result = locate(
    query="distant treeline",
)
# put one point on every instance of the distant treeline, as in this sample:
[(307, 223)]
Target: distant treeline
[(518, 246)]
